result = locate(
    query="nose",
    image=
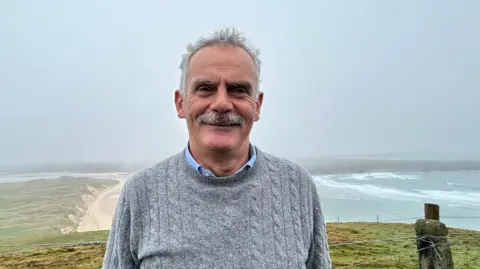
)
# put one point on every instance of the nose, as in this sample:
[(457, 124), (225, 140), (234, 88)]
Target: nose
[(222, 102)]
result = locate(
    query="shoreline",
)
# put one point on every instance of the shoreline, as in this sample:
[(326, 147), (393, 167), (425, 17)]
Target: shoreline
[(99, 211)]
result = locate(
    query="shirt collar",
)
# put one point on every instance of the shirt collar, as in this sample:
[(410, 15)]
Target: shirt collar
[(195, 165)]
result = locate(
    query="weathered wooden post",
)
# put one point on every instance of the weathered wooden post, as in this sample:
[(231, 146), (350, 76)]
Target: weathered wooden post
[(432, 211), (432, 244)]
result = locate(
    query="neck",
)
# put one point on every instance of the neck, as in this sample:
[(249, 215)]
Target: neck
[(221, 163)]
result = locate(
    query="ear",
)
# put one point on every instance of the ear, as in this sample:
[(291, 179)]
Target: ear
[(179, 104), (258, 104)]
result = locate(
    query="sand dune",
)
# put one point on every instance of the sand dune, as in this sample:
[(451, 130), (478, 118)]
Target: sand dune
[(99, 212)]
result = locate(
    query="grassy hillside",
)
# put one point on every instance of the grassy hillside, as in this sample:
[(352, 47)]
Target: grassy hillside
[(42, 207), (395, 254)]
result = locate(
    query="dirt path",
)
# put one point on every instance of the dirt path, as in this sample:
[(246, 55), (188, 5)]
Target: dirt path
[(99, 213)]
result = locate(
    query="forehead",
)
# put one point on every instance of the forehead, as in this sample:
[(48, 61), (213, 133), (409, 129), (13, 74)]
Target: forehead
[(221, 63)]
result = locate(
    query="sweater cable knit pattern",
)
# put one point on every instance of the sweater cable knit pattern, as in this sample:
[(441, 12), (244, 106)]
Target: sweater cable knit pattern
[(276, 213), (296, 214), (171, 216), (255, 218)]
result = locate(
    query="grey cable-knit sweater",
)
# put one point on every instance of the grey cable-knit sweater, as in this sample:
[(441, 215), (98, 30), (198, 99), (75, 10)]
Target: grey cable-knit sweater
[(170, 216)]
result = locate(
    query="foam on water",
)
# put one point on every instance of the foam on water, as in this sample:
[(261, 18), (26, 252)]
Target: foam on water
[(452, 198), (374, 175), (387, 193), (455, 197), (462, 186)]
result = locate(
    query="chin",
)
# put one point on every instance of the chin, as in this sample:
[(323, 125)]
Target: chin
[(220, 142)]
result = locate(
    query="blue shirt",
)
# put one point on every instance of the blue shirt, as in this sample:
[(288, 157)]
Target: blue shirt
[(203, 171)]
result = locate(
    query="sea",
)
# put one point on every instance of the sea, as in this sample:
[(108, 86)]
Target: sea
[(400, 196), (376, 196), (10, 177)]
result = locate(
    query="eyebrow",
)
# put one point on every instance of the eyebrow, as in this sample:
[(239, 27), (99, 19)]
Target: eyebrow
[(214, 84), (245, 84), (209, 83)]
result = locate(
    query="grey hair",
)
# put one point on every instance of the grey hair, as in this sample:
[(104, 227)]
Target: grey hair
[(225, 37)]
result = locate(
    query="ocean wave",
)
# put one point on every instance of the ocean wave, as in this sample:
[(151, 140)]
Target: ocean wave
[(456, 184), (470, 198), (374, 175), (382, 192), (450, 197), (462, 186)]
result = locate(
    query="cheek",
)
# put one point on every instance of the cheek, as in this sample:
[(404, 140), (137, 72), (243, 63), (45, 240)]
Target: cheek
[(248, 111), (195, 108)]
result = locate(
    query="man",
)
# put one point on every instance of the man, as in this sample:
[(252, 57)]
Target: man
[(221, 202)]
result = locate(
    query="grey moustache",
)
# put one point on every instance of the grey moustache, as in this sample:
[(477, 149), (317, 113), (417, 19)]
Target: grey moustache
[(222, 119)]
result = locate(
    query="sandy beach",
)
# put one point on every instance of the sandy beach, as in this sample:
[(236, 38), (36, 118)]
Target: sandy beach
[(99, 212)]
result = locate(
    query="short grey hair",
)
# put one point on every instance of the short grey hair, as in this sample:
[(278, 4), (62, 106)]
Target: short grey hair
[(225, 37)]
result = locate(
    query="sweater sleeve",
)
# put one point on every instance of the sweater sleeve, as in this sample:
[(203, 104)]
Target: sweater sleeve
[(119, 254), (319, 254)]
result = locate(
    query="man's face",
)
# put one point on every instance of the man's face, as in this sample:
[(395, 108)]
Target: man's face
[(220, 103)]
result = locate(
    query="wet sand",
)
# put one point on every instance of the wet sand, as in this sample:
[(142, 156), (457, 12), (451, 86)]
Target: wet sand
[(100, 211)]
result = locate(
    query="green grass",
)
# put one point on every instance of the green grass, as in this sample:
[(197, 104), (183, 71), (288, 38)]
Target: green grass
[(84, 257), (401, 253), (41, 207)]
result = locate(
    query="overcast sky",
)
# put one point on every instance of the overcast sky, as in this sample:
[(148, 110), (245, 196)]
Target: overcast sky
[(94, 80)]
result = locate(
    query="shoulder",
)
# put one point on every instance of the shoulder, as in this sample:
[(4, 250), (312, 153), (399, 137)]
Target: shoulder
[(296, 174), (283, 165)]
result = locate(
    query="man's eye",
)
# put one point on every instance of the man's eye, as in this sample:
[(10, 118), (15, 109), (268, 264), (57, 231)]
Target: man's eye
[(240, 90), (204, 89)]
